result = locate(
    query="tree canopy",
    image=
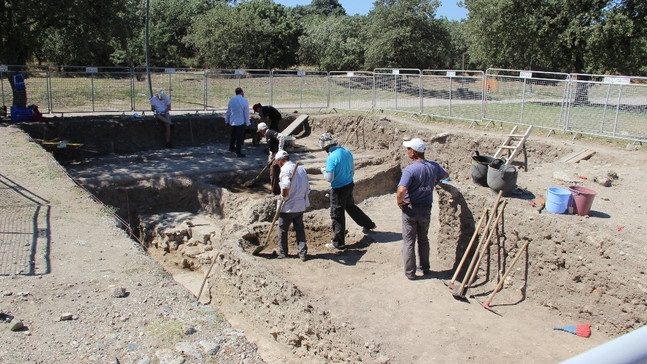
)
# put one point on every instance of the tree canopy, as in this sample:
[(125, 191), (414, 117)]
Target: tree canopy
[(586, 36)]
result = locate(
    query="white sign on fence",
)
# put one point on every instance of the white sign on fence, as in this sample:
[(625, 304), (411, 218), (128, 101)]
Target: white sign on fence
[(451, 74), (617, 80), (91, 69), (169, 70), (4, 68), (525, 74), (350, 74), (301, 73), (239, 72), (396, 72)]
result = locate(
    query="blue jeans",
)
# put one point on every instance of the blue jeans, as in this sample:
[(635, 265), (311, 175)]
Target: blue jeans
[(415, 225)]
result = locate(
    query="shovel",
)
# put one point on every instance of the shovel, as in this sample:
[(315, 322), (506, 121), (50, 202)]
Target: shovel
[(276, 215), (251, 182), (487, 302)]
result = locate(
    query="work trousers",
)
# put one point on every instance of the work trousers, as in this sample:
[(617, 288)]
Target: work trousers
[(275, 172), (341, 201), (415, 225), (295, 218), (237, 138)]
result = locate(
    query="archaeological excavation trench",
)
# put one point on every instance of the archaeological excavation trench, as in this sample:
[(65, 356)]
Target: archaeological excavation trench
[(192, 209)]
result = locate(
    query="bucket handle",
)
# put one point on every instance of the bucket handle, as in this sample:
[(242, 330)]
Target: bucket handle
[(475, 153)]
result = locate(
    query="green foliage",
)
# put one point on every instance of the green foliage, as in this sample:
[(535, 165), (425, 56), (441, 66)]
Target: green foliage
[(82, 33), (21, 26), (405, 33), (557, 35), (320, 8), (333, 44), (582, 36), (254, 34)]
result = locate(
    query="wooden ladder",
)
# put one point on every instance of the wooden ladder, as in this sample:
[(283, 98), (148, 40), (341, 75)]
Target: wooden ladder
[(514, 144)]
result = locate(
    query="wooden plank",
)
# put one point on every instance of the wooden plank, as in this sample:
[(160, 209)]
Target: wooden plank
[(577, 156), (294, 125), (582, 156)]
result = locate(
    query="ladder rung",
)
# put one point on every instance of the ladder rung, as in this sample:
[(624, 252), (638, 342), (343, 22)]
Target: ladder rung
[(508, 147)]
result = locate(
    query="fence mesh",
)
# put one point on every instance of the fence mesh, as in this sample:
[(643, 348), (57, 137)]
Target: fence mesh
[(452, 94), (24, 231), (609, 106)]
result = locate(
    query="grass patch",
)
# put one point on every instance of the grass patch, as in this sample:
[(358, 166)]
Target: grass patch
[(166, 332)]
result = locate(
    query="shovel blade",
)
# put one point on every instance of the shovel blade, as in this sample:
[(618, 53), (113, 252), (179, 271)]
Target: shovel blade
[(259, 249)]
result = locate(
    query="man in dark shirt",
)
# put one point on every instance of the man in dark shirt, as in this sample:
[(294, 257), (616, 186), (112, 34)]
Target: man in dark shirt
[(275, 141), (414, 196), (269, 115)]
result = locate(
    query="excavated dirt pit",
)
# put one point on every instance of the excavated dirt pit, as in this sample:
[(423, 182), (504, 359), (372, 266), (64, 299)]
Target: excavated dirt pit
[(192, 210)]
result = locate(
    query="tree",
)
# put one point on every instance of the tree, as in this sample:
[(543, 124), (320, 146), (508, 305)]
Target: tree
[(320, 7), (21, 25), (84, 33), (405, 33), (254, 34), (575, 36), (333, 43)]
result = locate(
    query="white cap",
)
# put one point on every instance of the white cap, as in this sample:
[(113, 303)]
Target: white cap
[(281, 154), (416, 144), (261, 126)]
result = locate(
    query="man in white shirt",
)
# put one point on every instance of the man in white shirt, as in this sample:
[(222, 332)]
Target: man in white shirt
[(294, 194), (237, 117), (161, 105)]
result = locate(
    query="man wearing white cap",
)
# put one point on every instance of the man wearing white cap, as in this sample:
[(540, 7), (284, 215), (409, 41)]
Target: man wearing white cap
[(294, 193), (415, 196)]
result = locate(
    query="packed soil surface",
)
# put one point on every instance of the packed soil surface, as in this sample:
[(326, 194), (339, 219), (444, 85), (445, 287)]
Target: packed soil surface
[(354, 305)]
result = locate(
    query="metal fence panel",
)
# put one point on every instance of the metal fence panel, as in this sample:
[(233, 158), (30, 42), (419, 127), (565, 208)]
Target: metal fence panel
[(609, 106), (36, 84), (526, 97), (186, 86), (351, 90), (90, 89), (397, 89), (452, 94), (299, 89)]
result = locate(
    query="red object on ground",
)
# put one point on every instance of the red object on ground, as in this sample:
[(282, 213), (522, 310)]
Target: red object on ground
[(583, 177), (583, 330), (620, 228)]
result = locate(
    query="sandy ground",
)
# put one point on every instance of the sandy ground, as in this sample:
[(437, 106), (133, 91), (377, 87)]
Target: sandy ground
[(357, 304)]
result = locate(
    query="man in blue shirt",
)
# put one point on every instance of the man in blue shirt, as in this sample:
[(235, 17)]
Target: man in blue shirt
[(339, 171), (237, 117), (414, 196)]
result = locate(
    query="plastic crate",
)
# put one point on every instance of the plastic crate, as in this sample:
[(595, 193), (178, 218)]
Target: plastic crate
[(21, 114)]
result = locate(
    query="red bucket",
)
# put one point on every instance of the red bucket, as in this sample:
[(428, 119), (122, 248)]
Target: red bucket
[(582, 199)]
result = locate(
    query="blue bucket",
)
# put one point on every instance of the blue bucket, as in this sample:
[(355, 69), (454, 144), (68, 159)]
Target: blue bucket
[(557, 200)]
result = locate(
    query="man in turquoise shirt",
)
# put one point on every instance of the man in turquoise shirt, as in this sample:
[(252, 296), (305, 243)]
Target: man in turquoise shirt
[(339, 172)]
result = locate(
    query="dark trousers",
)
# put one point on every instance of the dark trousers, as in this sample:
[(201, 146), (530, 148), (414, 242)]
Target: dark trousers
[(341, 201), (415, 226), (296, 219), (275, 172), (237, 138)]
